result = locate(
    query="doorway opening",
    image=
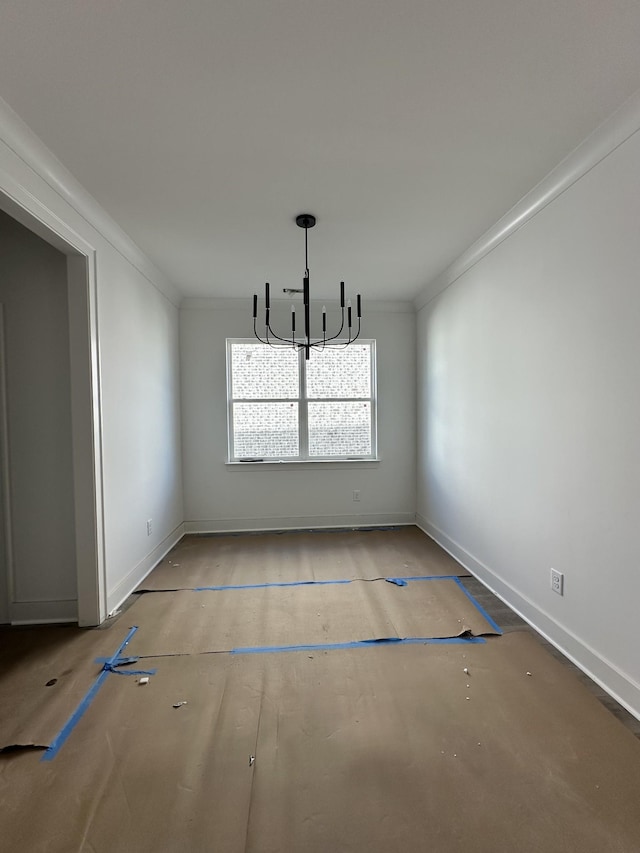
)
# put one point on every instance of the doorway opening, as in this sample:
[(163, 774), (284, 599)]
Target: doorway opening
[(51, 519)]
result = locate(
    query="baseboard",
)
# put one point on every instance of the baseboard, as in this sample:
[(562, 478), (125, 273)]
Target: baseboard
[(125, 587), (43, 612), (303, 522), (615, 682)]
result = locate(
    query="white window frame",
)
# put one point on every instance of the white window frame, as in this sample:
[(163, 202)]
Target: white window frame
[(302, 400)]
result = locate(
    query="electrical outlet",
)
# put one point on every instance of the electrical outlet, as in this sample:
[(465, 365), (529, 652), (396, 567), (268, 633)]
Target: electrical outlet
[(557, 582), (356, 494), (149, 527)]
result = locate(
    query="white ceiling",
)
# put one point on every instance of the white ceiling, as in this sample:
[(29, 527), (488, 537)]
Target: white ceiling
[(408, 127)]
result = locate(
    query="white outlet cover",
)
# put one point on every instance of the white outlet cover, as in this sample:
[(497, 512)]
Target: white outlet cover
[(557, 582)]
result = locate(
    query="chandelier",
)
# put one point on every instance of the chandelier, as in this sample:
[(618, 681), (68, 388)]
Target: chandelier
[(306, 342)]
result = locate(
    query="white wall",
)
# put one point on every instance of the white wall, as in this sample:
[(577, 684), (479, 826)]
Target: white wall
[(529, 418), (224, 497), (33, 290), (138, 371), (141, 425)]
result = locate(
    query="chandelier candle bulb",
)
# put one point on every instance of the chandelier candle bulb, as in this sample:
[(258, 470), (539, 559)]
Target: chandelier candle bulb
[(358, 309), (324, 318), (266, 296), (293, 318), (255, 306), (349, 313), (342, 294)]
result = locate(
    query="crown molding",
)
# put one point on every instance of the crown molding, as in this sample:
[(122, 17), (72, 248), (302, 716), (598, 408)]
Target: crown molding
[(612, 133), (29, 148)]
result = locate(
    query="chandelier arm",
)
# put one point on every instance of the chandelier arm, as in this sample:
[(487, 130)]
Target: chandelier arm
[(319, 344), (266, 340), (289, 341), (342, 305), (339, 332), (351, 340), (357, 335), (262, 340)]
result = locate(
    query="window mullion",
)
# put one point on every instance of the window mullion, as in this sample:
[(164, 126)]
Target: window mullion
[(264, 400), (342, 400)]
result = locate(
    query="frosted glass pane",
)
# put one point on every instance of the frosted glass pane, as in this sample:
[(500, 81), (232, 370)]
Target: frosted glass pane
[(265, 430), (259, 372), (340, 373), (339, 429)]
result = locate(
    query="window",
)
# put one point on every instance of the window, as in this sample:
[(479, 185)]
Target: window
[(284, 408)]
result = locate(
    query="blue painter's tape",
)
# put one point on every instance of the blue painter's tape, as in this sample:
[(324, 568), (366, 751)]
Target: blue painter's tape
[(479, 607), (115, 671), (63, 735), (266, 585), (399, 581), (429, 578), (358, 644), (59, 740), (113, 665)]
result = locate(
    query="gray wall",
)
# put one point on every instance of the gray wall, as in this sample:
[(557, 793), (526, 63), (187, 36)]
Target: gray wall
[(224, 497), (529, 419), (33, 291)]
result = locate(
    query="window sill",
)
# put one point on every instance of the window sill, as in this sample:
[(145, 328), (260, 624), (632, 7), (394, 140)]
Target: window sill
[(304, 463)]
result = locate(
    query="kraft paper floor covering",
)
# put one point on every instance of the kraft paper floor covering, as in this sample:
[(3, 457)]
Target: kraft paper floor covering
[(31, 712), (375, 748), (355, 750), (196, 622), (257, 558)]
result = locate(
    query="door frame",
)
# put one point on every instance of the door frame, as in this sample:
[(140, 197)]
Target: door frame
[(86, 405), (6, 557)]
